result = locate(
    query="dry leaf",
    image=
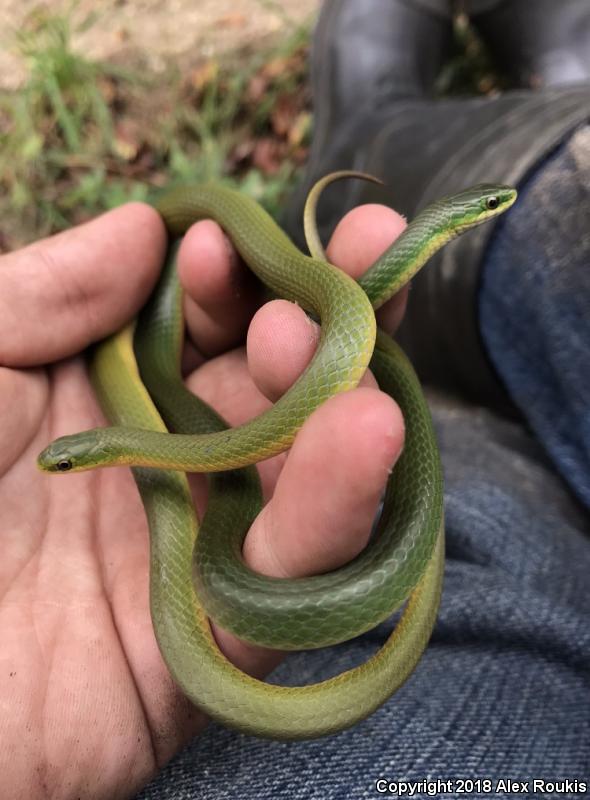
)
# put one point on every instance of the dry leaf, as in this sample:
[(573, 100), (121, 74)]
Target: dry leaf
[(127, 140), (299, 129), (267, 155), (284, 114), (241, 153), (232, 20), (205, 74), (257, 87), (275, 67), (108, 89), (123, 34)]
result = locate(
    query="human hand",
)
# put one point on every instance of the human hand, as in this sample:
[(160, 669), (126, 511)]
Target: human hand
[(87, 706)]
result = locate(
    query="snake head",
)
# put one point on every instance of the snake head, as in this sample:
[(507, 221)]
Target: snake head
[(71, 453), (478, 204)]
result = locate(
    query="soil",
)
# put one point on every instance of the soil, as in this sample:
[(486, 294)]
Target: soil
[(186, 31)]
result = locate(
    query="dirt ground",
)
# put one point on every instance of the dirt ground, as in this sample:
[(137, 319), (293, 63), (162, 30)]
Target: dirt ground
[(181, 29)]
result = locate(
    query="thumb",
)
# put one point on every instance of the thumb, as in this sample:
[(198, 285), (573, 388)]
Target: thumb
[(62, 293)]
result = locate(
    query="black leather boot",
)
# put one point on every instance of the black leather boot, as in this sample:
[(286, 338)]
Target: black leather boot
[(366, 54), (365, 57), (429, 149), (538, 43), (425, 149)]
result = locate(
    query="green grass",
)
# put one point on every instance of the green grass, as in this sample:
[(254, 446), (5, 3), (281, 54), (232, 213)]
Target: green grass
[(82, 136)]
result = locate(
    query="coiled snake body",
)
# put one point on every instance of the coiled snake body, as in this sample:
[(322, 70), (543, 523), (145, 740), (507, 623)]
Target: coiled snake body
[(196, 573)]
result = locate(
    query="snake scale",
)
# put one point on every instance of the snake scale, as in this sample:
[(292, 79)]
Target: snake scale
[(162, 431)]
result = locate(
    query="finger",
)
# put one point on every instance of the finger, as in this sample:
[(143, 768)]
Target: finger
[(62, 293), (282, 339), (321, 513), (226, 385), (221, 292), (281, 342)]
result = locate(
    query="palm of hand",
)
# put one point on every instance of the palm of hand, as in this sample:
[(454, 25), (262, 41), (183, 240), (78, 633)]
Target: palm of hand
[(87, 706), (84, 683)]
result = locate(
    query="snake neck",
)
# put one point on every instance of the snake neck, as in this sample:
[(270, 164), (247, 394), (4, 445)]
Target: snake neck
[(429, 231)]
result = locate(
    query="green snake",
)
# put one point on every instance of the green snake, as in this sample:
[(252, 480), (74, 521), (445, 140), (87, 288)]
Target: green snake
[(199, 573)]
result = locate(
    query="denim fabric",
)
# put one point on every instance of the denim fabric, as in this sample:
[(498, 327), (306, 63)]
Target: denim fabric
[(503, 691), (535, 307)]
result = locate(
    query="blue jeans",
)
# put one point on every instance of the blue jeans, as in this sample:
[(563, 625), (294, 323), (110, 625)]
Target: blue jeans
[(503, 691)]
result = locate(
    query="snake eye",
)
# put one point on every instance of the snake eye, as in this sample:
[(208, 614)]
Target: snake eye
[(492, 203), (64, 465)]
